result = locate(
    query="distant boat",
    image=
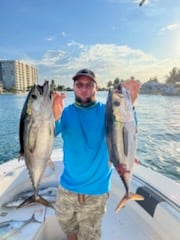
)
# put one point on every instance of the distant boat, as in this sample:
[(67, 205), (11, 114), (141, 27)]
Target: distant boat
[(155, 218)]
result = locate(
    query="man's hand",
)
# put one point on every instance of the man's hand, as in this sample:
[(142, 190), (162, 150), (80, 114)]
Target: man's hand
[(58, 104), (134, 87)]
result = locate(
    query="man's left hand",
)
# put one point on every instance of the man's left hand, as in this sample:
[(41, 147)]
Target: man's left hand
[(134, 87)]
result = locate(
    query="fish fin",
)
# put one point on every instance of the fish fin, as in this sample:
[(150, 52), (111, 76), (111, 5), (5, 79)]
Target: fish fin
[(136, 161), (37, 199), (125, 140), (20, 157), (51, 130), (51, 164), (131, 196), (32, 137), (43, 201)]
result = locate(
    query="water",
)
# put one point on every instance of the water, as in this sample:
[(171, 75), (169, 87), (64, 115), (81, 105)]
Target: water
[(158, 130), (159, 134)]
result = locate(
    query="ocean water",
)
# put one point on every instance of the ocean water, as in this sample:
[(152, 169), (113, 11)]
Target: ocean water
[(158, 130)]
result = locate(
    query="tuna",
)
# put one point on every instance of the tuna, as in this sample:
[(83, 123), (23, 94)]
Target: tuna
[(121, 138), (36, 134)]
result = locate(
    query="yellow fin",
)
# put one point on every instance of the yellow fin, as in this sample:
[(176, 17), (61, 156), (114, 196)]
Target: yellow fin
[(131, 196)]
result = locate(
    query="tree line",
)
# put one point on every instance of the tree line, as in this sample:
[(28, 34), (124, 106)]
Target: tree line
[(172, 78)]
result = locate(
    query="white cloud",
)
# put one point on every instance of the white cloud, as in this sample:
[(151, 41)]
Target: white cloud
[(50, 38), (170, 27), (74, 43), (63, 34), (108, 61), (52, 57)]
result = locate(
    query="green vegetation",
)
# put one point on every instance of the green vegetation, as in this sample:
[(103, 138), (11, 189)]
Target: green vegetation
[(172, 78), (116, 82)]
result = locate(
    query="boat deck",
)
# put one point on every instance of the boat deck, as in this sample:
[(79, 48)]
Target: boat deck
[(124, 225), (155, 218)]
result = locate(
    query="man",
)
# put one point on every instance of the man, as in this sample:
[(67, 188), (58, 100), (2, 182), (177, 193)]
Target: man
[(85, 181)]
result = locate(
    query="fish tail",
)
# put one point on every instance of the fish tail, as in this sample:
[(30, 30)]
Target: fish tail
[(126, 198), (20, 156), (37, 199)]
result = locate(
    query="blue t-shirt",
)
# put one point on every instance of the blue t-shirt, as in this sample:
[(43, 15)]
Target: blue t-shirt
[(86, 159)]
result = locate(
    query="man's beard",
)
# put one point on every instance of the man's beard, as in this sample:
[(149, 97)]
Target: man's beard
[(89, 101), (79, 100)]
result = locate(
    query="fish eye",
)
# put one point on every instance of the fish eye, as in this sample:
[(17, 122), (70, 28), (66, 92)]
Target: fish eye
[(116, 103), (34, 96)]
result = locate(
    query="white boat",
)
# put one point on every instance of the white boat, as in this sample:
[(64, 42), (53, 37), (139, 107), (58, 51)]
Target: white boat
[(155, 218)]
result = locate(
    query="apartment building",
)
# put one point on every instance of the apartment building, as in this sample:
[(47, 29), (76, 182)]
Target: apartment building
[(1, 87), (18, 75)]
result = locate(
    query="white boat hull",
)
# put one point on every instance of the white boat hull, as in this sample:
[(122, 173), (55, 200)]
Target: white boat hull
[(155, 218)]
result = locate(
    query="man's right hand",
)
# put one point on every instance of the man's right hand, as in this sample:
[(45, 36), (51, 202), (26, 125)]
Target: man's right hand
[(58, 104)]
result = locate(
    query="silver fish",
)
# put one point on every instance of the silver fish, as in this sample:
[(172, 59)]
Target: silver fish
[(36, 133), (49, 193), (10, 228), (121, 138)]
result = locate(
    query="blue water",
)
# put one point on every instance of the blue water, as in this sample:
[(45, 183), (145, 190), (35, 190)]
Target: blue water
[(158, 130)]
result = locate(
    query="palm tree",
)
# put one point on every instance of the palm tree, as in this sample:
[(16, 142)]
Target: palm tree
[(116, 82), (109, 84), (174, 76)]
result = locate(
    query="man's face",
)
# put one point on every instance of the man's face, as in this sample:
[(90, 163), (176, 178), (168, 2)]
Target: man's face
[(85, 89)]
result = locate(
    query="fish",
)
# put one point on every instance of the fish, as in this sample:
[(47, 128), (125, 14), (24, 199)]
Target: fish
[(11, 227), (36, 137), (49, 193), (121, 138)]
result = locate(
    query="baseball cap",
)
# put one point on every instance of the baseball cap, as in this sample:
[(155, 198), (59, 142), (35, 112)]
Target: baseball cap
[(85, 72)]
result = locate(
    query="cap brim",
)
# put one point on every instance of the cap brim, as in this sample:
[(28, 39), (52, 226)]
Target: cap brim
[(84, 74)]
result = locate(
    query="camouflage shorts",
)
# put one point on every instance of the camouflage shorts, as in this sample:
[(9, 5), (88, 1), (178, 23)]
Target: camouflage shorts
[(82, 219)]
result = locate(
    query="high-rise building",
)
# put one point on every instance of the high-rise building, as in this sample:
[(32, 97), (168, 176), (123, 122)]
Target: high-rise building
[(1, 87), (18, 75)]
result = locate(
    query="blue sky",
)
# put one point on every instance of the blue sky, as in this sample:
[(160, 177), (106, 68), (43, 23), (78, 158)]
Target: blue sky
[(114, 38)]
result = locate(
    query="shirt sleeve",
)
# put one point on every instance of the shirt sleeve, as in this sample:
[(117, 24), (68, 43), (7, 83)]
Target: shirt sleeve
[(59, 125), (57, 128)]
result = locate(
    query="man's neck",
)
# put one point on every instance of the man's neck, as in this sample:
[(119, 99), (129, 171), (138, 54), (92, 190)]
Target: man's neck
[(88, 103)]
